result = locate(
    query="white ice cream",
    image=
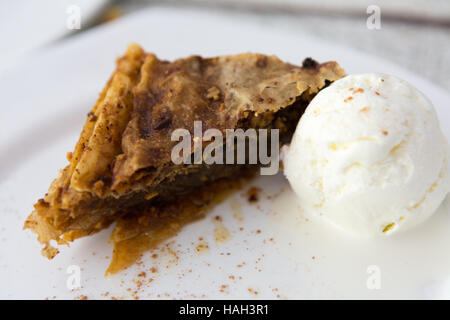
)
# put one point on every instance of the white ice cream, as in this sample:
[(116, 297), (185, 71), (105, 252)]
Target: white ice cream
[(369, 156)]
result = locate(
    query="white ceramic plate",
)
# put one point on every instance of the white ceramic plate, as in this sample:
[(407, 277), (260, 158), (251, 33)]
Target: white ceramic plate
[(278, 253)]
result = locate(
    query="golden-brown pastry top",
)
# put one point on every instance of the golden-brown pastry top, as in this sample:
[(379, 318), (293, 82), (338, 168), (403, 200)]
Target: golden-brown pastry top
[(128, 131)]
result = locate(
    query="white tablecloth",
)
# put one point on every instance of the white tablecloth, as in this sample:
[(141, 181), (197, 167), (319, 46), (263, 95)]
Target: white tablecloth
[(414, 33)]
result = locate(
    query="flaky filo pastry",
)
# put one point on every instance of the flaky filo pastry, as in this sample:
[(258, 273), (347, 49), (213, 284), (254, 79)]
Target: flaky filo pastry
[(122, 159)]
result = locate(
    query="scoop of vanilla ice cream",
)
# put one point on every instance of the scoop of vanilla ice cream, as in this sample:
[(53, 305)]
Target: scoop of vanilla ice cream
[(369, 156)]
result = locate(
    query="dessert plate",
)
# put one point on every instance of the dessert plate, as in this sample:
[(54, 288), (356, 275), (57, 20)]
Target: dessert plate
[(264, 249)]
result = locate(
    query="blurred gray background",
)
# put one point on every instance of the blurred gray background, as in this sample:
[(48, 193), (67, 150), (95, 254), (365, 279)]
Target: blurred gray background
[(413, 33)]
